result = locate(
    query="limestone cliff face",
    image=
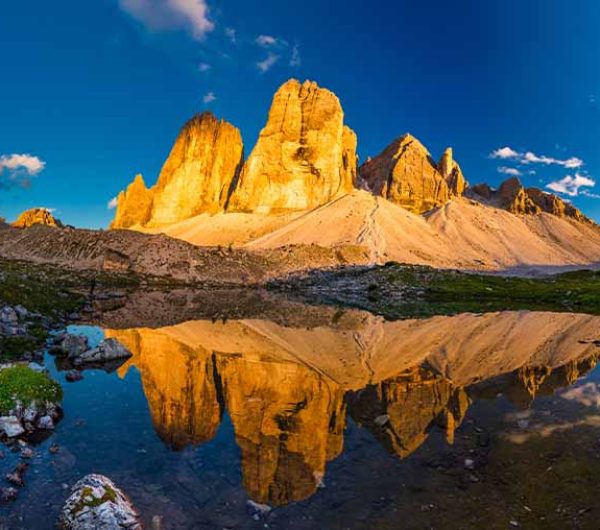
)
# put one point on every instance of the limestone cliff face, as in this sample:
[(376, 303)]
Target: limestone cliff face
[(197, 177), (199, 173), (405, 174), (36, 216), (514, 197), (305, 156), (134, 205)]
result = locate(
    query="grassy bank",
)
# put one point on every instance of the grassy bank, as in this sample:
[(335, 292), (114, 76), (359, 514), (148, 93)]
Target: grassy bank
[(398, 291), (24, 385)]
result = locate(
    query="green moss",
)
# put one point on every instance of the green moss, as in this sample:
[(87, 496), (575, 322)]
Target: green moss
[(87, 499), (20, 383)]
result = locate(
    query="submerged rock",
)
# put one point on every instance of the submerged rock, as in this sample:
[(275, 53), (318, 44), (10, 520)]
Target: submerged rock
[(96, 503)]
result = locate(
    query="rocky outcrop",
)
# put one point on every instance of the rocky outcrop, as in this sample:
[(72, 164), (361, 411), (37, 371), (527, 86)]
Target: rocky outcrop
[(514, 197), (200, 171), (406, 174), (305, 156), (37, 216), (450, 170), (96, 503), (134, 205), (197, 177)]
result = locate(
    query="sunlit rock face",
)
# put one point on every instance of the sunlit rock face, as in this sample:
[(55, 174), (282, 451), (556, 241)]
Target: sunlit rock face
[(514, 197), (178, 383), (305, 156), (201, 169), (197, 177), (288, 423), (134, 205), (36, 216), (406, 174)]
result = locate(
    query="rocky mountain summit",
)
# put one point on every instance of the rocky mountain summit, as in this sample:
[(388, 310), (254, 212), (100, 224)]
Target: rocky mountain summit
[(514, 197), (36, 216)]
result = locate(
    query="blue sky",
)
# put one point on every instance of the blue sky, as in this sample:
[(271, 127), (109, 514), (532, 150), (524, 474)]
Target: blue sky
[(94, 92)]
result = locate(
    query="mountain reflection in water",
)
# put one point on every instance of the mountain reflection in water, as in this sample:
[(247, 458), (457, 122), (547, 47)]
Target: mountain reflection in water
[(289, 389)]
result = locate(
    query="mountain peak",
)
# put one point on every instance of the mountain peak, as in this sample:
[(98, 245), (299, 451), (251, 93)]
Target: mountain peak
[(37, 216)]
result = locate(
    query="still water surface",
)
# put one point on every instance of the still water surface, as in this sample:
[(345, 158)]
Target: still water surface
[(338, 420)]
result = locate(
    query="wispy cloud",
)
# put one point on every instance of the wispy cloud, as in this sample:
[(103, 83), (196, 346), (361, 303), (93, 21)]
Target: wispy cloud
[(509, 171), (231, 34), (112, 204), (17, 170), (267, 63), (204, 67), (209, 97), (570, 185), (266, 41), (508, 153), (160, 15), (295, 59)]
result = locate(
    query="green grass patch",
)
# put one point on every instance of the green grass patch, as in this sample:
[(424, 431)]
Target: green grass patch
[(20, 383)]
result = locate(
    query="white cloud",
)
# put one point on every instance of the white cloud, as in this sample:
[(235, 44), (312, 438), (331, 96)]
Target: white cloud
[(590, 194), (266, 41), (204, 67), (295, 60), (112, 204), (159, 15), (570, 185), (509, 171), (231, 34), (570, 163), (28, 163), (269, 61), (209, 97), (504, 153), (528, 157)]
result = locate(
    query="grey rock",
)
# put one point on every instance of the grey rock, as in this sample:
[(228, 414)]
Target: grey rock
[(96, 503), (46, 423), (11, 426), (70, 345), (108, 350)]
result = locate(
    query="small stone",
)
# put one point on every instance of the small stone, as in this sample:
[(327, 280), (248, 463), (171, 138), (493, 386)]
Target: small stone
[(380, 421), (469, 463), (27, 452), (73, 376), (514, 523), (8, 494), (15, 478), (46, 423), (54, 449)]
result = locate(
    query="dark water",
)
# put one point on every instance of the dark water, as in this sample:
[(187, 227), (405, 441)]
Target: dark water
[(334, 419)]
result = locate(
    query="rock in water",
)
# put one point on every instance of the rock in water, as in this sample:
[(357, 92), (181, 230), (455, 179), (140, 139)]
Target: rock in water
[(305, 156), (200, 171), (197, 177), (37, 216), (133, 205), (405, 174), (107, 351), (97, 504)]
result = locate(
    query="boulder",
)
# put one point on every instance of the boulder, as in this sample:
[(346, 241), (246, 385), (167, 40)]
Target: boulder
[(70, 345), (107, 351), (10, 426), (96, 503), (305, 155)]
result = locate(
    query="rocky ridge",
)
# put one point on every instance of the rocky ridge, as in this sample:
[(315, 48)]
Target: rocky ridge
[(36, 216)]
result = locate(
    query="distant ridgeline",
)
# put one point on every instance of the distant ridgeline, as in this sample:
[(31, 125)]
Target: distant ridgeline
[(305, 157)]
